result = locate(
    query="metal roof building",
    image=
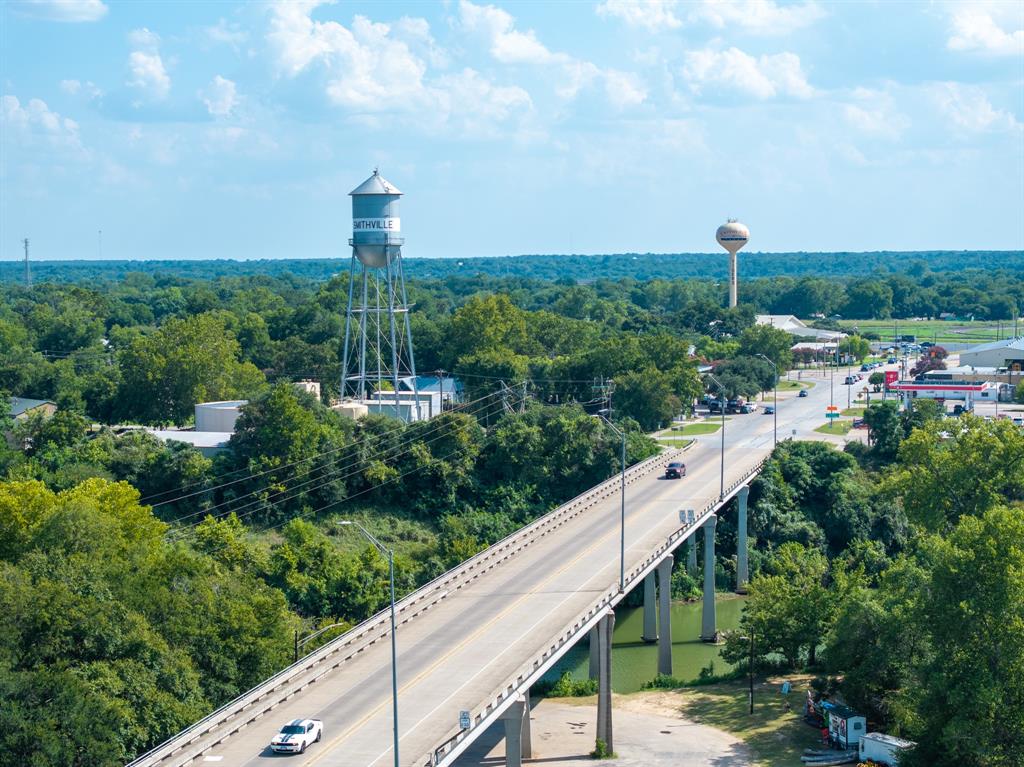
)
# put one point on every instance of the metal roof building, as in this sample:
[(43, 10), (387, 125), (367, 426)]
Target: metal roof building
[(1008, 353)]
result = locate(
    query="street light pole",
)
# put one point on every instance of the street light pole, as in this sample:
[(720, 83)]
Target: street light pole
[(751, 669), (394, 652), (721, 391), (775, 406), (622, 505)]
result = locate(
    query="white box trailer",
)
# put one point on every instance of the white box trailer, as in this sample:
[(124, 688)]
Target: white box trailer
[(883, 749)]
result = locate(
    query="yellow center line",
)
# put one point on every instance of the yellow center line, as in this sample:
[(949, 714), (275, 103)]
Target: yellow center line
[(331, 744)]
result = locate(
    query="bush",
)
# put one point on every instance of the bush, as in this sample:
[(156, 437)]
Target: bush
[(567, 687), (601, 750)]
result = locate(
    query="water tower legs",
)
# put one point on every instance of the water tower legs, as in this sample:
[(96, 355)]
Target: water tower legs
[(733, 280)]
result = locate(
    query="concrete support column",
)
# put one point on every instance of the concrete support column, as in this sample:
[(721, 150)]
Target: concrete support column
[(604, 679), (527, 737), (650, 609), (691, 555), (709, 622), (665, 616), (594, 656), (517, 732), (741, 541)]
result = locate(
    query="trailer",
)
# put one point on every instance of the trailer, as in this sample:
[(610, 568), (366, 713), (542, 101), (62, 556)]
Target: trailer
[(883, 749), (845, 726)]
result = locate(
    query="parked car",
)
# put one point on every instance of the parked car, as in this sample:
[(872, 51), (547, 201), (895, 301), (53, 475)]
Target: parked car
[(675, 470), (715, 406), (769, 409), (803, 393), (296, 735), (891, 361), (859, 423), (865, 367)]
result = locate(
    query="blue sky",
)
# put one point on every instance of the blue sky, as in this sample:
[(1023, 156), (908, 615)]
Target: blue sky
[(236, 130)]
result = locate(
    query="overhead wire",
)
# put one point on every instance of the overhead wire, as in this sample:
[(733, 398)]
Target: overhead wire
[(190, 528), (331, 475)]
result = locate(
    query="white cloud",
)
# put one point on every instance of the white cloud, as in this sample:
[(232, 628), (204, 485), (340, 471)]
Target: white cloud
[(764, 77), (35, 125), (623, 89), (969, 109), (874, 113), (760, 17), (509, 45), (375, 68), (64, 10), (75, 87), (652, 15), (226, 34), (977, 28), (220, 96), (70, 86), (147, 68)]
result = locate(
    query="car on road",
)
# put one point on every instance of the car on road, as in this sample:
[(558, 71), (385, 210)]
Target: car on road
[(850, 380), (803, 393), (748, 407), (769, 409), (675, 470), (891, 361), (295, 736), (859, 423)]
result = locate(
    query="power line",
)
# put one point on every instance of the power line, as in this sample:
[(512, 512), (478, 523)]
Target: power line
[(331, 475)]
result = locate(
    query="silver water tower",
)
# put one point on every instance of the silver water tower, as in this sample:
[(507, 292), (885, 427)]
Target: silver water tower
[(378, 352)]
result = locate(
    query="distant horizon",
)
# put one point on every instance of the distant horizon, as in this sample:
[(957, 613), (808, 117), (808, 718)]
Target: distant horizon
[(709, 253)]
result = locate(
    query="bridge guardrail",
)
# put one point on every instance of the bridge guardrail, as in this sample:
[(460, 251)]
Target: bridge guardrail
[(280, 687), (574, 630)]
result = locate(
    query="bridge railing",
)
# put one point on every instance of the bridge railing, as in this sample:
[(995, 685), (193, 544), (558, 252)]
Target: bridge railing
[(535, 668), (254, 703)]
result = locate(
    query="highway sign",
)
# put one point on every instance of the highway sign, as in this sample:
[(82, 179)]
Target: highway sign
[(463, 720), (832, 411)]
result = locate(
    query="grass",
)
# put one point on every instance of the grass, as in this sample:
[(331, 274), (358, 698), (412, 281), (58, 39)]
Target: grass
[(794, 385), (775, 736), (853, 411), (937, 331), (677, 442), (692, 429), (836, 427)]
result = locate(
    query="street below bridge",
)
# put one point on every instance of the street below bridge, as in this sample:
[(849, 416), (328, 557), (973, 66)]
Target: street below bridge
[(457, 654)]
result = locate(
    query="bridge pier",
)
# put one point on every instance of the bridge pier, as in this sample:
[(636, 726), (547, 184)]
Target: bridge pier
[(665, 616), (595, 666), (741, 541), (518, 743), (604, 680), (709, 622), (691, 555), (650, 609)]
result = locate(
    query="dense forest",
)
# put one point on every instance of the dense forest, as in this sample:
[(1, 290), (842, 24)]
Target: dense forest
[(639, 266), (145, 583)]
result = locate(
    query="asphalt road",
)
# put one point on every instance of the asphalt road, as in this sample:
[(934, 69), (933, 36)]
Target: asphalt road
[(459, 652)]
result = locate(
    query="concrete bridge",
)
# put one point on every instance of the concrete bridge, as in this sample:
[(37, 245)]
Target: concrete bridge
[(478, 637)]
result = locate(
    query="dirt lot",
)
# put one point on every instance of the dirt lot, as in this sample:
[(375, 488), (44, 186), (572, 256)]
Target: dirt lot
[(649, 732)]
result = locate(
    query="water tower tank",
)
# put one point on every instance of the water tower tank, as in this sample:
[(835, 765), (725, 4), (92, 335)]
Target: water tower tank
[(376, 225), (732, 235)]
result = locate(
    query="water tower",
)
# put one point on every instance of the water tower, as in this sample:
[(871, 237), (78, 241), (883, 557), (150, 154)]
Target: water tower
[(732, 235), (378, 352)]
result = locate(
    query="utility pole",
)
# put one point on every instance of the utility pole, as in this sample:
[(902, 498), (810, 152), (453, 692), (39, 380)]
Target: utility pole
[(28, 270)]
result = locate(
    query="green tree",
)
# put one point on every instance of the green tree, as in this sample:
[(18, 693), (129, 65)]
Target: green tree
[(868, 299), (184, 362), (647, 396), (772, 342), (855, 346), (945, 475), (884, 429)]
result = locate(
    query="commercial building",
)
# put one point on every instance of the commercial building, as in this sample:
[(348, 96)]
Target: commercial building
[(1008, 353), (967, 392), (795, 327)]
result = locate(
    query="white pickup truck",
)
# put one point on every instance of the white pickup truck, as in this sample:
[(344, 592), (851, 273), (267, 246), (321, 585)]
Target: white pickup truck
[(296, 735)]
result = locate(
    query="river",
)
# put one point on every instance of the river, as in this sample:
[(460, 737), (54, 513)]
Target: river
[(635, 661)]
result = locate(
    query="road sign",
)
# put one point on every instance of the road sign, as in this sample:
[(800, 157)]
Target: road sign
[(463, 720), (832, 411)]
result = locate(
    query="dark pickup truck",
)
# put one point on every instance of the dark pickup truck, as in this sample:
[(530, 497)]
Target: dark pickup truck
[(675, 470)]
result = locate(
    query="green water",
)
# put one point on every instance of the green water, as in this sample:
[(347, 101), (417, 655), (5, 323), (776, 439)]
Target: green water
[(635, 661)]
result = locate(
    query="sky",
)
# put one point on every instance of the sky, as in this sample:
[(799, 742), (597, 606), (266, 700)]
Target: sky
[(236, 130)]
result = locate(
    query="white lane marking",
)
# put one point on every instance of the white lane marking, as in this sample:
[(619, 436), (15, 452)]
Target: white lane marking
[(509, 646)]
